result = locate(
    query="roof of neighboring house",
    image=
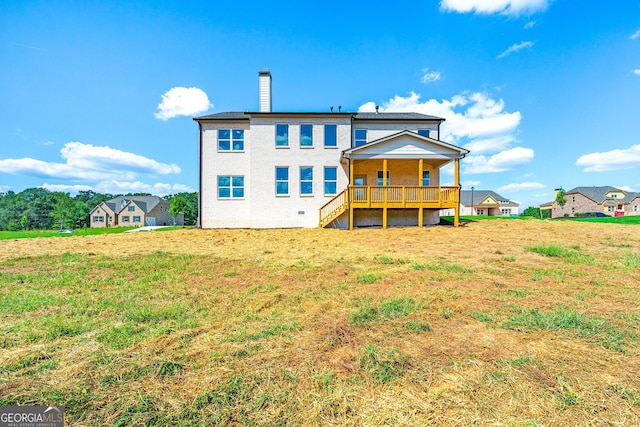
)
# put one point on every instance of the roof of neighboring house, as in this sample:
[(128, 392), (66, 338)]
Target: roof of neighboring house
[(598, 194), (236, 115), (146, 203), (480, 195)]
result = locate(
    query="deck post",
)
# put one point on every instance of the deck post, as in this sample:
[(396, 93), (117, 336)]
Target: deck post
[(384, 184), (420, 209), (349, 194), (456, 183)]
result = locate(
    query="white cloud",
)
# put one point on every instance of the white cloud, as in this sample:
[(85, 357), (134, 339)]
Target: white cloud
[(48, 143), (625, 188), (636, 71), (182, 101), (500, 162), (487, 7), (635, 35), (4, 188), (430, 76), (514, 48), (529, 25), (122, 187), (520, 186), (91, 163), (610, 160), (470, 183), (473, 120)]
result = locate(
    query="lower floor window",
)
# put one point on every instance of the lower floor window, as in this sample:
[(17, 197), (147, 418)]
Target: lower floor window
[(480, 211), (136, 219), (282, 181), (230, 187), (611, 209), (125, 219), (330, 180), (636, 208), (426, 178), (306, 180), (505, 211), (98, 219)]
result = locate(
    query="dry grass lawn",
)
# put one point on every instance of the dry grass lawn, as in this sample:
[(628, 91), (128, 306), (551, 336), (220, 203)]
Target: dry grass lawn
[(503, 322)]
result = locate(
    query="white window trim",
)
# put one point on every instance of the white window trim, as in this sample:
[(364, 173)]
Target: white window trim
[(288, 193), (275, 130), (230, 150), (307, 147), (300, 176)]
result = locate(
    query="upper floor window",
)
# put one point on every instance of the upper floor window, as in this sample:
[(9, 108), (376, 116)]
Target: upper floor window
[(380, 181), (230, 139), (425, 132), (360, 137), (426, 178), (573, 199), (230, 187), (306, 180), (131, 208), (330, 135), (282, 181), (282, 135), (330, 180), (306, 135)]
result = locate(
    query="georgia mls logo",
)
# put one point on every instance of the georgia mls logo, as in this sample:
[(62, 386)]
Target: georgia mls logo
[(31, 416)]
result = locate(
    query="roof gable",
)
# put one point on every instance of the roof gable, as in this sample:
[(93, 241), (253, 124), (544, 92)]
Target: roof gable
[(406, 145)]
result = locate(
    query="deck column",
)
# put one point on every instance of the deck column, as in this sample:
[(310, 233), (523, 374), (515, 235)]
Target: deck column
[(349, 194), (456, 183), (384, 184), (420, 209)]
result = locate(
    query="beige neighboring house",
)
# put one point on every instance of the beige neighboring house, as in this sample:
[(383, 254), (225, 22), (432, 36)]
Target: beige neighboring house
[(606, 200), (339, 169), (133, 211), (484, 203)]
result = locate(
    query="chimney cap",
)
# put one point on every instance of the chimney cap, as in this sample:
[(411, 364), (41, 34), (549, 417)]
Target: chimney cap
[(264, 71)]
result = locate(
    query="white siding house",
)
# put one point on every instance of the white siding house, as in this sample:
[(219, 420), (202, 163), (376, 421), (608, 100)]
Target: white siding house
[(276, 170)]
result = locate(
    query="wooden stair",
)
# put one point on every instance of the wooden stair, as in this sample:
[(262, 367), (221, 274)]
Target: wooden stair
[(334, 208)]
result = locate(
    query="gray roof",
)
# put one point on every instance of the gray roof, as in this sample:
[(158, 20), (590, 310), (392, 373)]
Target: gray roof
[(146, 203), (357, 116), (598, 194), (480, 195)]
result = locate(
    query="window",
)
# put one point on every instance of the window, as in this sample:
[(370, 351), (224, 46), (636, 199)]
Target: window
[(282, 135), (360, 137), (573, 199), (131, 208), (136, 218), (306, 135), (306, 180), (505, 211), (330, 135), (230, 187), (480, 211), (426, 178), (230, 139), (636, 208), (330, 180), (282, 181), (425, 132), (380, 183), (611, 208), (573, 210), (98, 219), (125, 219)]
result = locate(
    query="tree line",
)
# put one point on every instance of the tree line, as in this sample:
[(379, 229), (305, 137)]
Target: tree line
[(39, 208)]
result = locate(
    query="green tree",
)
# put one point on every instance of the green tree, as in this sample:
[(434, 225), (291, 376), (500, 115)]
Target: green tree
[(533, 212), (187, 203), (561, 199)]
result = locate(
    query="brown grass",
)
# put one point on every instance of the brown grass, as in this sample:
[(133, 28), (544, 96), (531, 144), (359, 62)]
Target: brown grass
[(269, 336)]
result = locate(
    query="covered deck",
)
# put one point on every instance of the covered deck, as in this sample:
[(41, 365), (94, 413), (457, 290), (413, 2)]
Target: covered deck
[(406, 169)]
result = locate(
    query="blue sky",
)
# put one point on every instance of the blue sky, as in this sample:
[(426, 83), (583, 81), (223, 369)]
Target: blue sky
[(101, 95)]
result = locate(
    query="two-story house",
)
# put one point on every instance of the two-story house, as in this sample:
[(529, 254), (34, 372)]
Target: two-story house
[(133, 211), (602, 200), (269, 169)]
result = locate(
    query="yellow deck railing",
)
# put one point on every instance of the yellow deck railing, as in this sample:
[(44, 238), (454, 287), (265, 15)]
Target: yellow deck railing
[(403, 197), (397, 197)]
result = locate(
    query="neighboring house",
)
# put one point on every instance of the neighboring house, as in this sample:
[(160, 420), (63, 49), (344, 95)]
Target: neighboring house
[(331, 169), (133, 211), (582, 200), (484, 203)]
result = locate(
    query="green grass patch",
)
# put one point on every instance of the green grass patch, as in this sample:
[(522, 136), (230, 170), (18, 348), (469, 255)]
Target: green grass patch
[(571, 254), (382, 365), (596, 329)]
